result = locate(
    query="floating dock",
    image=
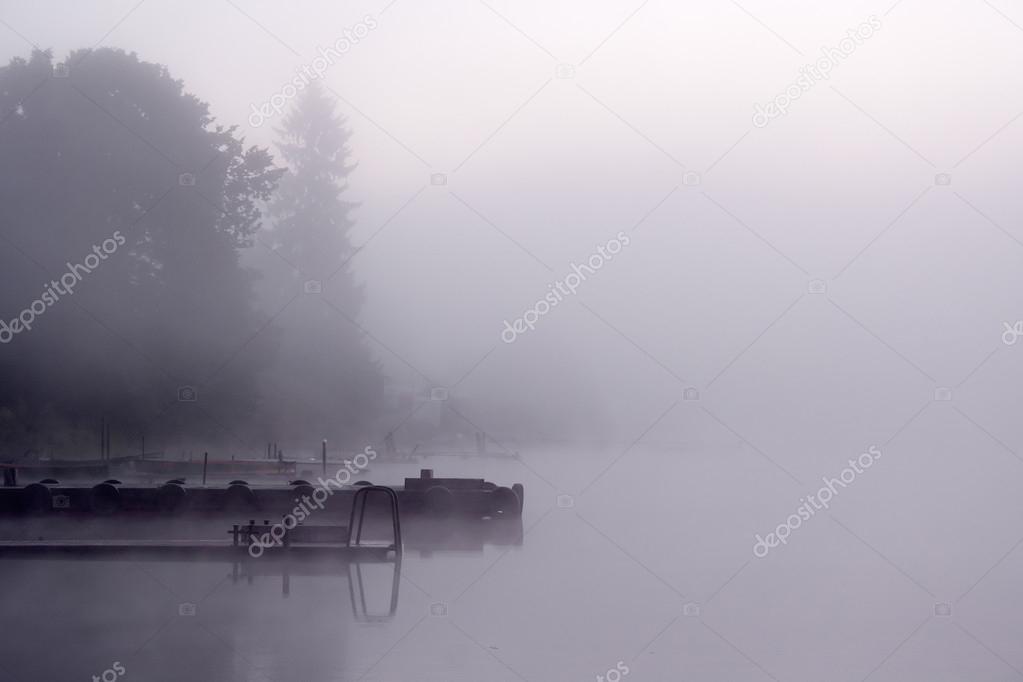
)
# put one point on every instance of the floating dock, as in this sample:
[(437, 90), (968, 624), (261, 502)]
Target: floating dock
[(427, 495)]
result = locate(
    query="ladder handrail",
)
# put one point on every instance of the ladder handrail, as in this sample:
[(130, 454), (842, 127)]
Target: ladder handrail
[(362, 495)]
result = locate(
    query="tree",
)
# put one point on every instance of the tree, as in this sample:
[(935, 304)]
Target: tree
[(103, 145), (323, 359)]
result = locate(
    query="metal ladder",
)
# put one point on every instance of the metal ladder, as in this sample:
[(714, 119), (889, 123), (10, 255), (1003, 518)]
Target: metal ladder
[(362, 495)]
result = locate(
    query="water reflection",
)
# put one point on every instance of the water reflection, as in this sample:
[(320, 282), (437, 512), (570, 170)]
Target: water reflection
[(277, 617)]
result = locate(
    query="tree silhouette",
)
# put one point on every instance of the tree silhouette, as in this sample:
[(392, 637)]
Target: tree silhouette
[(107, 143), (323, 358)]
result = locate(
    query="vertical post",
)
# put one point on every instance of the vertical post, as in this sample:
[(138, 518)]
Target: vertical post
[(324, 456), (268, 449), (205, 462)]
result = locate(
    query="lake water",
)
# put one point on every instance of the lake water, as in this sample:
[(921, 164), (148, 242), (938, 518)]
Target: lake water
[(632, 564)]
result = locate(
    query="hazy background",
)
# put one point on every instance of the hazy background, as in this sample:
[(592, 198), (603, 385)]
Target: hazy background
[(713, 292)]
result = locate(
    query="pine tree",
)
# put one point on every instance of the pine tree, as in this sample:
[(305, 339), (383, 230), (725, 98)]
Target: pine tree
[(311, 220), (325, 361)]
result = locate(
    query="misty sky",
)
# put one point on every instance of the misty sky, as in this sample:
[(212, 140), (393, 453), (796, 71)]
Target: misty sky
[(713, 290)]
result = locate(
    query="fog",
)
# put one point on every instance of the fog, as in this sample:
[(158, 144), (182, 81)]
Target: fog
[(686, 258)]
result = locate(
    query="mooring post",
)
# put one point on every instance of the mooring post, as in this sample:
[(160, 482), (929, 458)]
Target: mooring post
[(205, 463), (324, 456)]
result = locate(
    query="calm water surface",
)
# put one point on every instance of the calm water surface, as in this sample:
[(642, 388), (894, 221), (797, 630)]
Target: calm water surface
[(641, 564)]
